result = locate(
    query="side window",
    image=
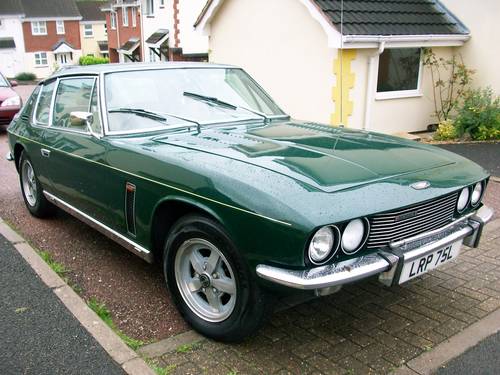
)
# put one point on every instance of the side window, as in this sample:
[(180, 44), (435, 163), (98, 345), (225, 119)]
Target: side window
[(73, 95), (43, 107), (94, 109), (28, 108)]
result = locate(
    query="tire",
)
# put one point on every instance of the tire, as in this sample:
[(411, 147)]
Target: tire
[(223, 303), (32, 190)]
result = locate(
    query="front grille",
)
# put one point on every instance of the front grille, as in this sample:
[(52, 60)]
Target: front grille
[(411, 221)]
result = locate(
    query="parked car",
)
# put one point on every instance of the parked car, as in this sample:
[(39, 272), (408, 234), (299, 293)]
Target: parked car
[(195, 166), (10, 101)]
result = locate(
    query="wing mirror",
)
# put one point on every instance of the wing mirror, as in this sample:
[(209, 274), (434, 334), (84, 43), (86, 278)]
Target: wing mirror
[(13, 83), (81, 119)]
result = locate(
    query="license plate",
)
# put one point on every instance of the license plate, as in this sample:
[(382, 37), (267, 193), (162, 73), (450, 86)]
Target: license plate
[(430, 261)]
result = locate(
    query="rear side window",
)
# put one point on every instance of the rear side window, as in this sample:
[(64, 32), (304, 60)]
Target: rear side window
[(73, 95), (30, 104), (42, 111)]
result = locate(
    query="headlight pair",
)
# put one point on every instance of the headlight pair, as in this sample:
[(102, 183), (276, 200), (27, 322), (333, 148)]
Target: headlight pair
[(327, 240), (470, 195)]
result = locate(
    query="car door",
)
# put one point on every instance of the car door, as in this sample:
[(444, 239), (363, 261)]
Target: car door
[(77, 160)]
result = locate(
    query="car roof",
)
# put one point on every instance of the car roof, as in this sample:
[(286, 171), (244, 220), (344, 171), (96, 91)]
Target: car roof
[(117, 67)]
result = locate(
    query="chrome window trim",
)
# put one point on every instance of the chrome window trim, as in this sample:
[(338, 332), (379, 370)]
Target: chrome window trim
[(34, 122)]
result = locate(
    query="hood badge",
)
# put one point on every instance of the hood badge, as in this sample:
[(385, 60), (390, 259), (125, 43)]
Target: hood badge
[(420, 185)]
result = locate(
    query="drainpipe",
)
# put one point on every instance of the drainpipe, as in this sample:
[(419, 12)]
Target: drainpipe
[(370, 86), (117, 24), (143, 41)]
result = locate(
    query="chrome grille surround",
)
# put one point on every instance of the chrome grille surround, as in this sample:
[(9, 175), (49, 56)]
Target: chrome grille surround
[(410, 221)]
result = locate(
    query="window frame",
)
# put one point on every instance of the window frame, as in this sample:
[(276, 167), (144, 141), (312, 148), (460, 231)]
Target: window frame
[(150, 8), (133, 15), (398, 94), (124, 16), (41, 65), (34, 122), (85, 35), (89, 131), (58, 25), (112, 20), (36, 27)]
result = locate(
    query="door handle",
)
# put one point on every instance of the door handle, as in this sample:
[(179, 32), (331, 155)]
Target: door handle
[(45, 153)]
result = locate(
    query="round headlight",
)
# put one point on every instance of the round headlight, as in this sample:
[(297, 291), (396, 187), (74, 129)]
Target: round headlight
[(322, 244), (463, 199), (477, 193), (354, 234)]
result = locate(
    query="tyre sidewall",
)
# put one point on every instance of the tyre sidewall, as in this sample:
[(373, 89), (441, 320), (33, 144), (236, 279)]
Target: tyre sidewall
[(246, 316), (40, 208)]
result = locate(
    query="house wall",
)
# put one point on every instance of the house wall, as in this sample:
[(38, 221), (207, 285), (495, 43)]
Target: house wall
[(292, 63), (481, 52), (12, 60), (160, 19), (52, 65), (404, 114), (89, 44), (34, 43)]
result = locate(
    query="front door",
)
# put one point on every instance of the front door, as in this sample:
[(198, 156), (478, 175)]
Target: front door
[(77, 161)]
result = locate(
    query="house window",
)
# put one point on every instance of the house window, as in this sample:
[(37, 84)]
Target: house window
[(105, 29), (134, 16), (113, 21), (153, 57), (41, 59), (39, 28), (162, 3), (399, 73), (88, 31), (125, 16), (60, 27), (150, 7)]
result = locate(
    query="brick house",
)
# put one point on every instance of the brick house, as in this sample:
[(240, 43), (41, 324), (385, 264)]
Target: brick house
[(44, 35), (154, 30)]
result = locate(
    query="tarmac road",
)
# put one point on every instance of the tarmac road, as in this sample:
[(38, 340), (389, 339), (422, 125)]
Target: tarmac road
[(38, 335)]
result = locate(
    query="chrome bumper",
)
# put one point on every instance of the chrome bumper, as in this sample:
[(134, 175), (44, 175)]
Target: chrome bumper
[(387, 264)]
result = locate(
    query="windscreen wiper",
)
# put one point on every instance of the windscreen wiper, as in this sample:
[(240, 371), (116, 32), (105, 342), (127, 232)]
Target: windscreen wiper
[(140, 112), (213, 99)]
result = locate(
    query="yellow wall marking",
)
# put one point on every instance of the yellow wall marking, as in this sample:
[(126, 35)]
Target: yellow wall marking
[(345, 82)]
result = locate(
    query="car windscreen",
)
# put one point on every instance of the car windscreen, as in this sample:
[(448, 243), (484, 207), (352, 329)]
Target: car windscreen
[(204, 95)]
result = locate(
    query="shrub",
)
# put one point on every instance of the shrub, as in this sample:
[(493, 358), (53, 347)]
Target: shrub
[(479, 116), (26, 76), (446, 131), (91, 60)]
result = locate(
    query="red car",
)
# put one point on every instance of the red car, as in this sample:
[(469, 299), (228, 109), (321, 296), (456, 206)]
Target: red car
[(10, 101)]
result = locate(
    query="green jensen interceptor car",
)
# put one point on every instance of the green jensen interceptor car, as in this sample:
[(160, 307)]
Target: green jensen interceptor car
[(195, 166)]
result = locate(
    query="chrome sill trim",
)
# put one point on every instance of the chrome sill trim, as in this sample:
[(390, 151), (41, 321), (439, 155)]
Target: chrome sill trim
[(104, 229), (326, 276), (398, 244)]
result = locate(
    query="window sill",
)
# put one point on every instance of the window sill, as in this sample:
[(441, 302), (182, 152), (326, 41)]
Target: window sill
[(88, 36), (41, 66), (398, 95), (150, 16)]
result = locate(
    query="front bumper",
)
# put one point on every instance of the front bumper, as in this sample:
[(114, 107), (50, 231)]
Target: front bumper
[(386, 263)]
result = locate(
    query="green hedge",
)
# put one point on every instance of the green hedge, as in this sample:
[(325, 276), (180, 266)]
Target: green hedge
[(26, 76), (91, 60)]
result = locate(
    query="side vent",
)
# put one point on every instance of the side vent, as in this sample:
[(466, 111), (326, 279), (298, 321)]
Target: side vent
[(130, 207)]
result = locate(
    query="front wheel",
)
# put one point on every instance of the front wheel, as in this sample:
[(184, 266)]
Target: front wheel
[(209, 281)]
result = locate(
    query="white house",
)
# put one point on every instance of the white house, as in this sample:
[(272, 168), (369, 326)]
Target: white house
[(11, 38), (365, 72)]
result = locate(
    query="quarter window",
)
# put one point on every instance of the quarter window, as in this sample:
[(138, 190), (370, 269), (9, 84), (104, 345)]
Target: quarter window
[(88, 31), (94, 109), (41, 58), (38, 28), (43, 107), (60, 27), (399, 70), (73, 95)]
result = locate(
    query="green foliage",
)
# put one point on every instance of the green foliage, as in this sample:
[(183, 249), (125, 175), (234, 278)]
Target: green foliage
[(186, 348), (56, 267), (91, 60), (450, 82), (159, 370), (26, 76), (479, 116), (102, 311), (446, 131)]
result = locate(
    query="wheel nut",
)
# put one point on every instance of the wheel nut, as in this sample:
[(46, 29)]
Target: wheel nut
[(215, 276)]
